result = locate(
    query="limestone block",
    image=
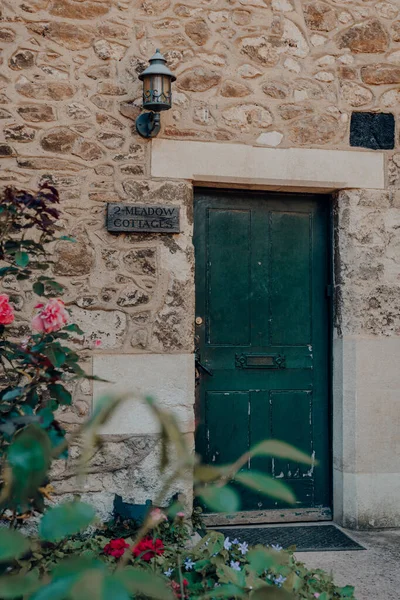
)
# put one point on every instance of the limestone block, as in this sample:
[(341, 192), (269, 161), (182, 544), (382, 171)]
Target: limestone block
[(315, 129), (108, 327), (7, 35), (246, 116), (381, 73), (198, 31), (233, 89), (260, 49), (169, 378), (272, 138), (69, 35), (355, 94), (198, 79), (319, 16), (37, 113), (22, 59), (45, 90), (71, 9), (74, 259), (367, 37), (19, 133)]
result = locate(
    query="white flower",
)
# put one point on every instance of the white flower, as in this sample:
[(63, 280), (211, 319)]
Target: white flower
[(169, 572), (276, 547), (279, 580), (236, 541), (189, 564), (243, 548), (235, 565), (227, 544)]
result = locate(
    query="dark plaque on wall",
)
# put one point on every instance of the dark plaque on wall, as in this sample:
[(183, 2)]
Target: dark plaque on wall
[(142, 218)]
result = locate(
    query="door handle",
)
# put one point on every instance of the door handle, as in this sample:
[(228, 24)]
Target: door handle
[(203, 368)]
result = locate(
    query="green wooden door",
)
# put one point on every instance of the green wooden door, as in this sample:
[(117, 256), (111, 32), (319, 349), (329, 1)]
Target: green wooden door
[(262, 330)]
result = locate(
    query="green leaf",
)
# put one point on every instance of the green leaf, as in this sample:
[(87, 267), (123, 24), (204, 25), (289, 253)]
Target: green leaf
[(66, 519), (267, 485), (224, 591), (146, 583), (261, 558), (269, 592), (56, 589), (347, 591), (73, 327), (67, 238), (12, 544), (46, 417), (55, 286), (170, 430), (76, 566), (220, 499), (55, 355), (29, 458), (281, 450), (38, 288), (209, 473), (98, 585), (211, 543), (22, 259), (228, 575), (59, 392), (13, 394), (15, 586), (5, 270)]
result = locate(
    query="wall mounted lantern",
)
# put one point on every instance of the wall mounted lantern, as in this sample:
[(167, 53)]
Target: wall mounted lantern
[(157, 95)]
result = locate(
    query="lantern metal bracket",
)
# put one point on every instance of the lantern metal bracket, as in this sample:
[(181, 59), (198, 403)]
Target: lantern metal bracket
[(148, 124)]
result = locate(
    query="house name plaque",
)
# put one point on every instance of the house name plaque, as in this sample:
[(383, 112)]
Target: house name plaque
[(142, 218)]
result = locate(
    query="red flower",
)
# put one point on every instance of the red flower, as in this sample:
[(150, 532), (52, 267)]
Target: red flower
[(147, 548), (116, 548)]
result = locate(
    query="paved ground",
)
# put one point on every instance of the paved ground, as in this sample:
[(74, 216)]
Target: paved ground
[(375, 572)]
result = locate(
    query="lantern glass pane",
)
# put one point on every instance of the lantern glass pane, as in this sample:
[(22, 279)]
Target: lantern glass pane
[(147, 86), (157, 85), (167, 86)]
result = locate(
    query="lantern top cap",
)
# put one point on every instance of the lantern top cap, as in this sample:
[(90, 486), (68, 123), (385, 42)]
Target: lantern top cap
[(158, 66)]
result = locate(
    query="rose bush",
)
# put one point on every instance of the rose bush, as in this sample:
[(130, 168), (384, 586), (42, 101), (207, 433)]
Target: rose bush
[(37, 371)]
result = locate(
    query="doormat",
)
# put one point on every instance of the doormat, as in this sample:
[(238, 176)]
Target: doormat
[(316, 538)]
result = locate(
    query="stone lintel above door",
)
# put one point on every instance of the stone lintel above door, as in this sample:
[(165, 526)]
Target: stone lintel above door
[(291, 169)]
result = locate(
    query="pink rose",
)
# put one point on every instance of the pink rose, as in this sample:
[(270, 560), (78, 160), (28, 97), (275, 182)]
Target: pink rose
[(51, 317), (6, 310), (156, 517)]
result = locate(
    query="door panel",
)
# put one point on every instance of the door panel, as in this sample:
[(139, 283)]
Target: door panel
[(261, 273)]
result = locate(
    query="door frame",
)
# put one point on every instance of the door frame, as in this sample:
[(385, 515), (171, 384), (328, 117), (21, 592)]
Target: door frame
[(289, 515), (358, 498)]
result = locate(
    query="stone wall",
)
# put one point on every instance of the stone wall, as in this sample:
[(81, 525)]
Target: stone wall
[(278, 73), (246, 68)]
